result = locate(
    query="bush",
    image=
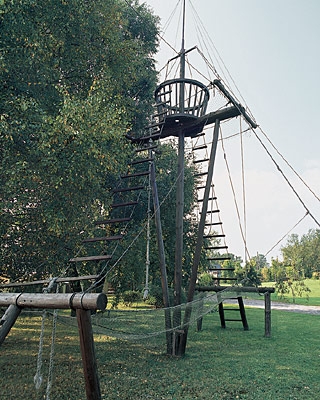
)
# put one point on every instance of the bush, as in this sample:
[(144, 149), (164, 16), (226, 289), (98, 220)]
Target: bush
[(131, 296), (155, 297)]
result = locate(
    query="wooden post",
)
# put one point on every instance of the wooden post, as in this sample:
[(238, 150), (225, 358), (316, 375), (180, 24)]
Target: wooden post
[(267, 314), (8, 320), (221, 315), (243, 313), (179, 242), (162, 257), (198, 249), (90, 370)]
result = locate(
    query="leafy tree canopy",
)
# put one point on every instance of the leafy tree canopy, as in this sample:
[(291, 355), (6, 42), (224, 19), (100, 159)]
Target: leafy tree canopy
[(75, 76)]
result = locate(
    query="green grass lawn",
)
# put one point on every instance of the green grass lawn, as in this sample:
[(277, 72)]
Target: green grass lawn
[(312, 298), (219, 364)]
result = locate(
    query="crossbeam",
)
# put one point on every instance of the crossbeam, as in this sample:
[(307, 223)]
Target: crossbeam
[(84, 301), (250, 289), (45, 281)]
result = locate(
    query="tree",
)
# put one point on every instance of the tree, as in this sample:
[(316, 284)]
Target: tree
[(287, 280), (249, 275), (75, 76), (303, 254)]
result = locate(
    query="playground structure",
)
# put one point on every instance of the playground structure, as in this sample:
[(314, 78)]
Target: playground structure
[(181, 112)]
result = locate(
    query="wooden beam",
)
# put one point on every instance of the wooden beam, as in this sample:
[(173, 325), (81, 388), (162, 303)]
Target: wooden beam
[(86, 301), (44, 281), (90, 370), (267, 316), (8, 320), (91, 258), (239, 107), (240, 289)]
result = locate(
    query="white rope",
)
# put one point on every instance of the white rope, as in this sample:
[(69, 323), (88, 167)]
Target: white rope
[(51, 359), (38, 376)]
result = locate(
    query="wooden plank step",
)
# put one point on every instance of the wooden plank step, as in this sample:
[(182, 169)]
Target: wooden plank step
[(129, 203), (146, 148), (200, 161), (154, 125), (143, 160), (216, 247), (112, 221), (201, 174), (200, 134), (128, 189), (211, 224), (102, 239), (200, 147), (214, 236), (144, 173), (226, 279), (162, 113), (221, 269), (231, 319), (210, 198), (212, 211), (90, 258)]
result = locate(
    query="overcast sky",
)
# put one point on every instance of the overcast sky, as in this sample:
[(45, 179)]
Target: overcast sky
[(271, 49)]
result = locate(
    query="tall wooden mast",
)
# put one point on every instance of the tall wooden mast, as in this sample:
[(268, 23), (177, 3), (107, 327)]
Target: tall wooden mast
[(180, 186)]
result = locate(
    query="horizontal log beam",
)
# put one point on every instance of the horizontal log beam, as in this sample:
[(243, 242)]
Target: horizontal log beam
[(249, 289), (44, 281), (84, 301)]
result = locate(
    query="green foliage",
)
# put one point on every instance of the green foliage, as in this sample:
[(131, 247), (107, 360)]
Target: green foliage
[(288, 280), (75, 76), (316, 275), (249, 275), (131, 296), (205, 279), (301, 260), (303, 254)]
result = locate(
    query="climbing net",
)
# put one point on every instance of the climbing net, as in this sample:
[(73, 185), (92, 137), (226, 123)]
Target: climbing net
[(147, 325)]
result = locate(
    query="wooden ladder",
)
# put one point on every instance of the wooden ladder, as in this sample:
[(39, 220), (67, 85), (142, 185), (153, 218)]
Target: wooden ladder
[(241, 309), (113, 228)]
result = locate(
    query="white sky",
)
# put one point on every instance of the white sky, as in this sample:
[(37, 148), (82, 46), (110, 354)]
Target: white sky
[(272, 52)]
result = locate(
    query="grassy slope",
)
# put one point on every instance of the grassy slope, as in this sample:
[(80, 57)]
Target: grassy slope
[(220, 364), (313, 298)]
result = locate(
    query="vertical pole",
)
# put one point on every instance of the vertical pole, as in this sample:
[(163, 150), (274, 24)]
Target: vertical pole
[(179, 237), (90, 370), (197, 253), (243, 314), (162, 259), (267, 314), (146, 288), (8, 320), (221, 315)]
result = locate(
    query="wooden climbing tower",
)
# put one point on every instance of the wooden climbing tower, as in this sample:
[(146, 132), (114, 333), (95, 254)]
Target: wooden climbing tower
[(182, 113)]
